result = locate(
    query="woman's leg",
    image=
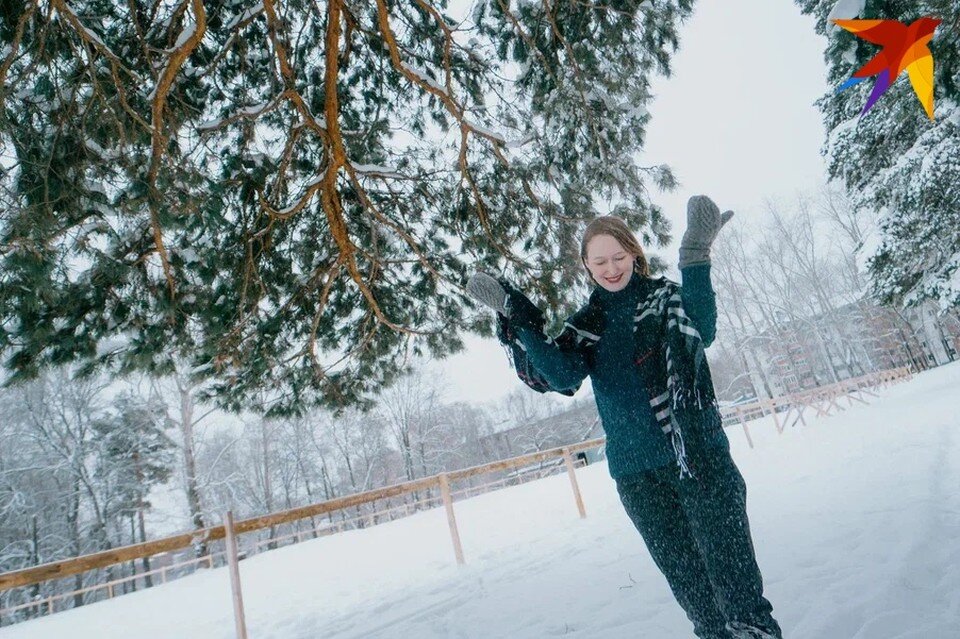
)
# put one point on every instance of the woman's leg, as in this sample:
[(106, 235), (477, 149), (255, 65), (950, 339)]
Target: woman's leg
[(715, 505), (653, 506)]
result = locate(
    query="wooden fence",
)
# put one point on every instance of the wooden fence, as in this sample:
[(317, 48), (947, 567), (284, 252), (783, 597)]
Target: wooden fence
[(822, 400), (786, 412)]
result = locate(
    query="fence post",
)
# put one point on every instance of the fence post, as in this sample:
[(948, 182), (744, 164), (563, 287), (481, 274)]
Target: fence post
[(776, 419), (568, 462), (233, 561), (451, 518), (743, 423)]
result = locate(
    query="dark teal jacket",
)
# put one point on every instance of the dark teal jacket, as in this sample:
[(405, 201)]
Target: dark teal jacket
[(635, 442)]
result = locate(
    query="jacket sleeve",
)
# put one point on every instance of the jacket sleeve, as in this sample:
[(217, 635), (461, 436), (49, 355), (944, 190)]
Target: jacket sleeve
[(699, 300), (563, 370)]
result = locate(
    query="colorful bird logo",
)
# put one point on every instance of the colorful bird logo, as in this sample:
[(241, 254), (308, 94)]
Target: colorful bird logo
[(904, 47)]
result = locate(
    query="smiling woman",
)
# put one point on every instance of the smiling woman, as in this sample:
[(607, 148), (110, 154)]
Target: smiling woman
[(641, 341), (611, 254)]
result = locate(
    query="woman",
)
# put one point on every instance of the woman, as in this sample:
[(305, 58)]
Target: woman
[(641, 341)]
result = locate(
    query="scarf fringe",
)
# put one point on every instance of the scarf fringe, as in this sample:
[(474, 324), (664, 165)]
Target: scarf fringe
[(685, 397), (676, 437)]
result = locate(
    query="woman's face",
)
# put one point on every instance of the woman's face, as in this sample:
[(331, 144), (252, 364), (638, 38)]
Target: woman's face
[(609, 263)]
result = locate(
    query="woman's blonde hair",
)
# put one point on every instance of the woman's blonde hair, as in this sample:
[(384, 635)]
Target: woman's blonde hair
[(616, 228)]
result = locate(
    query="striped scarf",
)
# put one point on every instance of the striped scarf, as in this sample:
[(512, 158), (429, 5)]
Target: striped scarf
[(667, 348)]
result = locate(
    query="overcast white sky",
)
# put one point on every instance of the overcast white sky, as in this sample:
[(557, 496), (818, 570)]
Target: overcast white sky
[(736, 121)]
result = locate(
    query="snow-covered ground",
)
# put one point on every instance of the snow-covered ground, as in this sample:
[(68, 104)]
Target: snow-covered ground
[(856, 520)]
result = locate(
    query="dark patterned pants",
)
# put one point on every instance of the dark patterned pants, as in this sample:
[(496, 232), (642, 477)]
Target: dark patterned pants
[(697, 532)]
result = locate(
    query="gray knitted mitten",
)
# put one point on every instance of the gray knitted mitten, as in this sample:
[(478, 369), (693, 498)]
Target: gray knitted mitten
[(506, 300), (704, 221), (487, 290)]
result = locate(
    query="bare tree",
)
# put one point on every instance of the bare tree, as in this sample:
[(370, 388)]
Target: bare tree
[(56, 414), (181, 392), (792, 300), (408, 409)]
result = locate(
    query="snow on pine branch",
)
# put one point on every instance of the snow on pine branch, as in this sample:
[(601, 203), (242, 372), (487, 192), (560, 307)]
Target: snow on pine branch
[(846, 10), (248, 112), (252, 12), (185, 35), (423, 77), (375, 170)]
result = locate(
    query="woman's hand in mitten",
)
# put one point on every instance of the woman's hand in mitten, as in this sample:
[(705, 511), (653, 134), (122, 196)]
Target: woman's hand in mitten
[(487, 290), (505, 300), (704, 221)]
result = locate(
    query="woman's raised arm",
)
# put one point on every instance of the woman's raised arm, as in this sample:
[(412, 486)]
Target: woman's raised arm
[(704, 221), (699, 301)]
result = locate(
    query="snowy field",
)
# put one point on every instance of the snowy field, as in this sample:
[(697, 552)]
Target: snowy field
[(856, 519)]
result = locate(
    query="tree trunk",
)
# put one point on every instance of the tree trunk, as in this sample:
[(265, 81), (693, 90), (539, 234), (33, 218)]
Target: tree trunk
[(190, 465), (34, 557), (306, 484), (73, 525), (267, 484), (148, 579), (133, 562)]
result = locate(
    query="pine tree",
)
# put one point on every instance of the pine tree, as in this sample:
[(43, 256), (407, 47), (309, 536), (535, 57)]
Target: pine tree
[(135, 452), (290, 196), (894, 160)]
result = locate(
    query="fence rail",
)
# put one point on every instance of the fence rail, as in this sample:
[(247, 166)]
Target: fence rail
[(109, 586), (821, 400)]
